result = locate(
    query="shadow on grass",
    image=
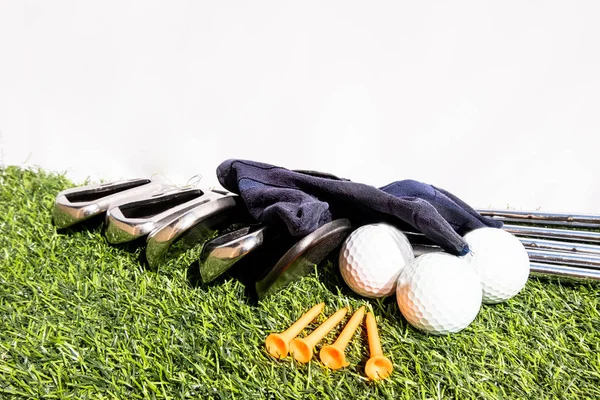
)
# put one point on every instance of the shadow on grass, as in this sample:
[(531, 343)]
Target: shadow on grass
[(384, 308), (331, 277), (194, 278), (251, 268), (96, 225), (566, 282), (92, 224), (244, 271)]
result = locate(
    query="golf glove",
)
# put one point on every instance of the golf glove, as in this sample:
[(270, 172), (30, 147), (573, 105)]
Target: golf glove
[(306, 200)]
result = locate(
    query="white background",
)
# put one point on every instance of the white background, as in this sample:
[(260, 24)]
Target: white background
[(498, 102)]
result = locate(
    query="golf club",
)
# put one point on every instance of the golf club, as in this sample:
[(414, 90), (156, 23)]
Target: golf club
[(564, 271), (550, 257), (222, 252), (299, 260), (544, 218), (81, 203), (195, 224), (555, 245), (554, 233), (129, 221)]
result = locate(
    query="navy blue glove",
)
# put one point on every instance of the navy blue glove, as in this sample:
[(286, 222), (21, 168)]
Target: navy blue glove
[(305, 200)]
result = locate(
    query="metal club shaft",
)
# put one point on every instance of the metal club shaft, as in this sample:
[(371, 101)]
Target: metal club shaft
[(544, 218)]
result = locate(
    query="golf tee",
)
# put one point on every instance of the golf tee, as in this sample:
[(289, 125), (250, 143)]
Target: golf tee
[(378, 366), (302, 348), (373, 335), (333, 356), (278, 343)]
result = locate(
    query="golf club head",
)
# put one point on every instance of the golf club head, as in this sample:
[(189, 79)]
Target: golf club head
[(299, 260), (82, 203), (192, 226), (222, 252), (130, 221)]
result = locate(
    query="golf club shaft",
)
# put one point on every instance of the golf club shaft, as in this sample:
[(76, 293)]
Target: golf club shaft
[(564, 271), (544, 218), (553, 233), (565, 247), (575, 260)]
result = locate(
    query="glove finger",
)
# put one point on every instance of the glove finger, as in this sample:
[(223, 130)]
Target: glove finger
[(435, 227), (459, 215), (486, 221)]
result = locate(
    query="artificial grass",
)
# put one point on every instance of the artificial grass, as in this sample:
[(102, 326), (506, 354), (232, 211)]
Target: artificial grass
[(80, 318)]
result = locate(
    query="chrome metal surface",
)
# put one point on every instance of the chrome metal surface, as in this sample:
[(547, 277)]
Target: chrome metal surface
[(555, 245), (419, 250), (221, 253), (544, 218), (575, 260), (202, 219), (299, 260), (564, 271), (81, 203), (133, 220), (553, 233)]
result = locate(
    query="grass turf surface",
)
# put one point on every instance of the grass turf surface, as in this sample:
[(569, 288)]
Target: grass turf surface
[(80, 318)]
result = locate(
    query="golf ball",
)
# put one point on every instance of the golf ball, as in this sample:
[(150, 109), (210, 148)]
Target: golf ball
[(372, 257), (439, 293), (501, 262)]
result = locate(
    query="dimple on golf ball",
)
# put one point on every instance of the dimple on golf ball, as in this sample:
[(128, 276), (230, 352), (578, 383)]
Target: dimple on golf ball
[(372, 257), (501, 261), (439, 293)]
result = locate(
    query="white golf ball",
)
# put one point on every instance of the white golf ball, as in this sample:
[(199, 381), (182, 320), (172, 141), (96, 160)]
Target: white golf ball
[(439, 293), (372, 257), (501, 262)]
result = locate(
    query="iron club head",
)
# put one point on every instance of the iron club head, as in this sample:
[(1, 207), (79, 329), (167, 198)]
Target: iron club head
[(81, 203), (194, 225), (299, 260), (222, 252), (130, 221)]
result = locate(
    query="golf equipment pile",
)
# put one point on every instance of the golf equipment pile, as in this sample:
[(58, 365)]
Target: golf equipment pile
[(162, 214), (434, 291)]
